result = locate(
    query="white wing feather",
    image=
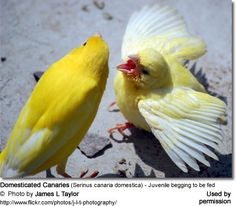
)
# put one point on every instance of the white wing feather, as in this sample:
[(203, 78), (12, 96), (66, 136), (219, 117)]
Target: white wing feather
[(163, 29), (186, 122)]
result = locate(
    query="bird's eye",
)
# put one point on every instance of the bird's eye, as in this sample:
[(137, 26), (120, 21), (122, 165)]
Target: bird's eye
[(144, 71), (84, 43)]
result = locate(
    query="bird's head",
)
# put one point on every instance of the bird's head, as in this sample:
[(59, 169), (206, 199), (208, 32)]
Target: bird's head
[(95, 47), (147, 69), (93, 54)]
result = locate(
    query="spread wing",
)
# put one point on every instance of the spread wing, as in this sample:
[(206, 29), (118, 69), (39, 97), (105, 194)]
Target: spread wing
[(186, 123), (163, 29)]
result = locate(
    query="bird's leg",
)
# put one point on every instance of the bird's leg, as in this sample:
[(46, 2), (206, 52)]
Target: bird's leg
[(83, 173), (49, 174), (112, 104), (93, 175), (61, 169), (110, 107), (121, 128)]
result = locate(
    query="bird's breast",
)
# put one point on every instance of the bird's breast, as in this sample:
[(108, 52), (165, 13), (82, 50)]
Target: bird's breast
[(127, 98)]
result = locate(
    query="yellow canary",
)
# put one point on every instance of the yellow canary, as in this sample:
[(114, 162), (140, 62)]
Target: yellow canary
[(155, 92), (58, 113)]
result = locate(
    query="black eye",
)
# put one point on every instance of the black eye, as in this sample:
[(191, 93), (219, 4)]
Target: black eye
[(84, 43), (144, 71)]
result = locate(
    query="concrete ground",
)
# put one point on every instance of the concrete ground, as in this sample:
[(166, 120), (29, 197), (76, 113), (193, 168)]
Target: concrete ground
[(36, 33)]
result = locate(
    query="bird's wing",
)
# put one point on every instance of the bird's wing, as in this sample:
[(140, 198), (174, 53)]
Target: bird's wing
[(163, 29), (39, 134), (185, 122)]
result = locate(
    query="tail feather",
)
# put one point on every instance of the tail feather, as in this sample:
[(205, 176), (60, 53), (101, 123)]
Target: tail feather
[(6, 171)]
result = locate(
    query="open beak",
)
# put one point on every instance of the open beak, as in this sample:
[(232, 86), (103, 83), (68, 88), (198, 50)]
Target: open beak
[(131, 67)]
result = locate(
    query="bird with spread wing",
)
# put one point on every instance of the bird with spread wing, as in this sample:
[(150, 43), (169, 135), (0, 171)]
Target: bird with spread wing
[(157, 93)]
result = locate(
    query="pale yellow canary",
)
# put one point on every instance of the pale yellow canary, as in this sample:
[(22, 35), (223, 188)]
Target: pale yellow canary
[(155, 92), (58, 113)]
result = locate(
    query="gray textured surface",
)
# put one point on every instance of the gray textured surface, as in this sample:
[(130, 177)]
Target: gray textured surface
[(92, 145), (36, 33)]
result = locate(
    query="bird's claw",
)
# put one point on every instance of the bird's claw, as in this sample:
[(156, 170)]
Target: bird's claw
[(66, 175), (109, 109), (121, 128), (93, 175), (82, 174), (49, 174)]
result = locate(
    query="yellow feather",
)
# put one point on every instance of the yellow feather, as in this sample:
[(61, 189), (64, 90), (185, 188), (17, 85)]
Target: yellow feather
[(155, 92), (59, 111)]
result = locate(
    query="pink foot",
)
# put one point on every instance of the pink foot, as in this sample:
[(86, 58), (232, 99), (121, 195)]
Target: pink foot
[(93, 175), (66, 175), (112, 105), (121, 128), (82, 174)]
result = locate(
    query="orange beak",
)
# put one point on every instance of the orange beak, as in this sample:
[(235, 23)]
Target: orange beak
[(131, 68)]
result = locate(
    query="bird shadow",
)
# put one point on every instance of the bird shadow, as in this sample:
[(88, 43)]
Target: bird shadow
[(138, 172), (150, 151)]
